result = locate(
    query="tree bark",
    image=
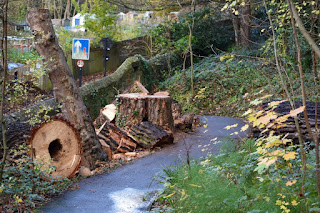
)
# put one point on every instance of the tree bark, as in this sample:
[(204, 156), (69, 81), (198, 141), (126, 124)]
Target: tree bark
[(245, 26), (236, 28), (65, 89), (160, 111)]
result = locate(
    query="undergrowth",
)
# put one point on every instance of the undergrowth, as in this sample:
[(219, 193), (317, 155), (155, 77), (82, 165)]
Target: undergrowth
[(222, 82), (26, 183), (229, 182)]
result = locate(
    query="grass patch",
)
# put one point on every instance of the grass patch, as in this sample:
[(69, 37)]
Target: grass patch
[(228, 182)]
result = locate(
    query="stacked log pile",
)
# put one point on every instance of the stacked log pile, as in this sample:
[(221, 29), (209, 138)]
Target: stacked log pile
[(290, 128)]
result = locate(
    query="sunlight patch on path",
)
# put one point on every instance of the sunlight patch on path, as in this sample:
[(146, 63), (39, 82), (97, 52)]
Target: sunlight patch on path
[(129, 200)]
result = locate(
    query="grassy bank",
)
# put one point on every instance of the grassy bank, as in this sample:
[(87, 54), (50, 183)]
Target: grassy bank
[(229, 182)]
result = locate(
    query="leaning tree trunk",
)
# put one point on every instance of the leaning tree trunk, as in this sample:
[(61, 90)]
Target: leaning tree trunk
[(65, 89)]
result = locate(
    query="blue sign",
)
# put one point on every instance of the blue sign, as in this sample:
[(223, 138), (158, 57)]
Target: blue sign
[(80, 49)]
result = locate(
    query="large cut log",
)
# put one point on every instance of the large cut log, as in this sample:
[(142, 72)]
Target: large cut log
[(65, 90), (116, 138), (135, 108), (57, 143), (132, 108), (148, 135), (160, 111)]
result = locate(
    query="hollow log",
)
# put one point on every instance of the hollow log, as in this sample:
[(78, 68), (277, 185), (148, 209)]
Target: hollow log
[(56, 143), (116, 138), (148, 135)]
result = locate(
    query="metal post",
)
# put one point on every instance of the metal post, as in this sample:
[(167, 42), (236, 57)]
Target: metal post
[(80, 77)]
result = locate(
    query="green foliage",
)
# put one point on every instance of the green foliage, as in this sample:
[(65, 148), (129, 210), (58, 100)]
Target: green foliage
[(65, 39), (99, 19), (17, 56), (228, 182), (26, 183), (173, 36)]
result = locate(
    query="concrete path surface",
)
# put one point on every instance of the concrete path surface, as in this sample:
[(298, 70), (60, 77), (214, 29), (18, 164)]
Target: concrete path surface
[(123, 189)]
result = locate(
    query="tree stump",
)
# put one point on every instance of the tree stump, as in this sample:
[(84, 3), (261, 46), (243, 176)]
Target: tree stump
[(132, 108), (135, 108), (160, 112)]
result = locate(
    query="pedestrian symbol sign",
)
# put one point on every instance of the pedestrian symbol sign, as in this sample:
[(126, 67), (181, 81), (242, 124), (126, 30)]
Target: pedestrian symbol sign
[(80, 49)]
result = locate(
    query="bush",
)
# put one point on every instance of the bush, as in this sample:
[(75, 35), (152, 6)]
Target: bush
[(26, 183)]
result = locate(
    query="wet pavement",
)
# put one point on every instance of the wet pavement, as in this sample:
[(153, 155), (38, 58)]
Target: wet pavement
[(129, 188)]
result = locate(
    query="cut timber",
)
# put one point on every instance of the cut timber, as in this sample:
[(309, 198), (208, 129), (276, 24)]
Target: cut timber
[(160, 111), (116, 138), (133, 108), (137, 87), (107, 113), (56, 143), (149, 135)]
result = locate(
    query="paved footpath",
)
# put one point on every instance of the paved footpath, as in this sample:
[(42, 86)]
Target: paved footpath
[(123, 189)]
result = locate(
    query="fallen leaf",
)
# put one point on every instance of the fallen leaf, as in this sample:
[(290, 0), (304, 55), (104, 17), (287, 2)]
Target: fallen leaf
[(294, 113)]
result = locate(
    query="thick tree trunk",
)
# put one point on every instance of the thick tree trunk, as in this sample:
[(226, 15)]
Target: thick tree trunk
[(245, 26), (65, 89)]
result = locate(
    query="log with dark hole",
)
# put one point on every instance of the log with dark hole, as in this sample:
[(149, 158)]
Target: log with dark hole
[(57, 144)]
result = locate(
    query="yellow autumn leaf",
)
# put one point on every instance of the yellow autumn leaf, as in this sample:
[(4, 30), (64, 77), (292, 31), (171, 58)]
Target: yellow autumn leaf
[(290, 183), (1, 190), (244, 128), (247, 112), (294, 113), (289, 155), (266, 96), (235, 133), (236, 12), (170, 195), (205, 125), (294, 202), (194, 185), (271, 161), (19, 200), (231, 126)]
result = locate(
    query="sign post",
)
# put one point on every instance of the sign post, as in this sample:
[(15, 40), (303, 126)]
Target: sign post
[(80, 64), (80, 52)]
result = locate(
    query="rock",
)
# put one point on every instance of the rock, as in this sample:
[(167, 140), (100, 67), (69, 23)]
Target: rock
[(118, 156), (84, 171), (130, 154)]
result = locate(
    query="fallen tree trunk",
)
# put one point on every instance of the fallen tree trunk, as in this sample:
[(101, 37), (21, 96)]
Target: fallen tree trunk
[(149, 135), (66, 92)]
